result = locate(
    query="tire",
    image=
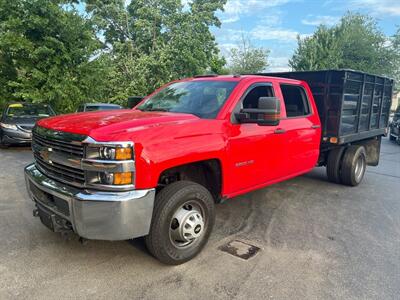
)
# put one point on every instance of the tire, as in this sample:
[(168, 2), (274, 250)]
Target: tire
[(2, 144), (391, 138), (177, 207), (333, 164), (353, 165)]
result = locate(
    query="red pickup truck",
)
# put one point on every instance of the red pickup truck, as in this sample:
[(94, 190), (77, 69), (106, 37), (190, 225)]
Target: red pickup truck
[(158, 170)]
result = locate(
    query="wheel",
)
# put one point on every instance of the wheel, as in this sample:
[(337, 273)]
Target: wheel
[(391, 137), (2, 144), (353, 165), (183, 218), (333, 164)]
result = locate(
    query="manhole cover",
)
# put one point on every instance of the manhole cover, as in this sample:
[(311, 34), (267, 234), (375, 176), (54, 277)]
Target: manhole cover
[(240, 249)]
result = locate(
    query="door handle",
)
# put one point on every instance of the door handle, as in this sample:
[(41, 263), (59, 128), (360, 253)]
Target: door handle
[(315, 126), (279, 131)]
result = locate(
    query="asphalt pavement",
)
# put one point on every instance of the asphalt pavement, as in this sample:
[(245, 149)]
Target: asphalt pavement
[(316, 240)]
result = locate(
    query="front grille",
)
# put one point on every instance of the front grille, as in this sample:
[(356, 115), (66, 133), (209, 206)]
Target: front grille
[(58, 145), (45, 142), (59, 171)]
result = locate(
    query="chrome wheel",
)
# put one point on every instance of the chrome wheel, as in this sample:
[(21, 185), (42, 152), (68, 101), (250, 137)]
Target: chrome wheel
[(187, 225), (359, 169)]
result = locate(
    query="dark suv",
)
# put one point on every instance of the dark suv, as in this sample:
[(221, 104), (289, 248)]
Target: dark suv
[(18, 119)]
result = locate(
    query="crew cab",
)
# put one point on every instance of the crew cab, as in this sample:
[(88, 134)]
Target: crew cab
[(158, 169)]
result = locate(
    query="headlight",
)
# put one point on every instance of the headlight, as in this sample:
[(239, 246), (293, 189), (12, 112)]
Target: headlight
[(110, 164), (110, 153), (8, 126)]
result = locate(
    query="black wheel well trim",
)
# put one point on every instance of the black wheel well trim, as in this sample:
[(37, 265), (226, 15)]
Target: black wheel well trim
[(210, 175)]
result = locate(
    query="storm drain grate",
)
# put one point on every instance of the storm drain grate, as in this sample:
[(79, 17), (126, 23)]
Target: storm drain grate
[(240, 249)]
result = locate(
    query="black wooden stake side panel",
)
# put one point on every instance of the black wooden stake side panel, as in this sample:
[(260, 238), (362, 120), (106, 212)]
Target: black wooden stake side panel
[(333, 104)]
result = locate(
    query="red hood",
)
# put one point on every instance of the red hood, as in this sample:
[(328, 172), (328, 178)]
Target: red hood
[(107, 123)]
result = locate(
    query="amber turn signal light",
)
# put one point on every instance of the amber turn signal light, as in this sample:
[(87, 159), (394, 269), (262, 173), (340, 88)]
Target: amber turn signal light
[(122, 178), (333, 140), (123, 153)]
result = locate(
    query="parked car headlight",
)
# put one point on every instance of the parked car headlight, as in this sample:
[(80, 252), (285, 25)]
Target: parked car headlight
[(8, 126)]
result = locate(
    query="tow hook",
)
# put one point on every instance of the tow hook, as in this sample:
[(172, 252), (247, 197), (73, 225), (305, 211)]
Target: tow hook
[(35, 212)]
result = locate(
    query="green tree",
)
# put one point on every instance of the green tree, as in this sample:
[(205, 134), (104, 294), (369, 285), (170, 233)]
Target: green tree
[(395, 63), (45, 54), (245, 58), (355, 43), (320, 51), (151, 42)]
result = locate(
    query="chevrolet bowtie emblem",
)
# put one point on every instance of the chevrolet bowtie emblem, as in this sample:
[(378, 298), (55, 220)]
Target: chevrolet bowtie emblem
[(45, 154)]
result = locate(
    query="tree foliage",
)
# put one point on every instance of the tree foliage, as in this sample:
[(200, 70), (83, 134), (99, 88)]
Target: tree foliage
[(151, 42), (355, 43), (246, 59), (51, 52), (45, 54)]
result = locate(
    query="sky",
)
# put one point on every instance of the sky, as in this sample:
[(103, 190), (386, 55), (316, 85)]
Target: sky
[(275, 24)]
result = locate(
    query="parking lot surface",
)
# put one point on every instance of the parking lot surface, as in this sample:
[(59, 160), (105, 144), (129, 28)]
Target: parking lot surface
[(317, 240)]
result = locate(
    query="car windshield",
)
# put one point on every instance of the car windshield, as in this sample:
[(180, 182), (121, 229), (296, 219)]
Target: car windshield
[(201, 98), (101, 107), (29, 110)]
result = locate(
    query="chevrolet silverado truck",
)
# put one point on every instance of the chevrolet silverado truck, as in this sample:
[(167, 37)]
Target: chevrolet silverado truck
[(158, 170)]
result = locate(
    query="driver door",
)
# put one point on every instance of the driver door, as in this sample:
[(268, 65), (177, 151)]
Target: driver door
[(256, 152)]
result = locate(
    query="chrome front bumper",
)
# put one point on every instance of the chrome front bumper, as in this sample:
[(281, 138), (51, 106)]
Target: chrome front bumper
[(97, 215)]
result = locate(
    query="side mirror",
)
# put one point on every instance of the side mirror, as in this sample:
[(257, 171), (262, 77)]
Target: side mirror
[(134, 100), (266, 114)]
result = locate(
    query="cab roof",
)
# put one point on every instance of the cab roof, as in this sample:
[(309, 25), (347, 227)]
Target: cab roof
[(239, 78)]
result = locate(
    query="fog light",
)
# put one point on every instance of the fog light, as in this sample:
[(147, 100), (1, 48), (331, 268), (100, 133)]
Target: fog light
[(122, 178), (107, 178)]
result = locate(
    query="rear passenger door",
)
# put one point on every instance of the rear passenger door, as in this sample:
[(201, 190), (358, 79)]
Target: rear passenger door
[(301, 129)]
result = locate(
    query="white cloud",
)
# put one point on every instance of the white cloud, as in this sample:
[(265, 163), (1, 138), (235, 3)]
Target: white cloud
[(278, 64), (246, 6), (318, 20), (232, 19), (278, 69), (377, 7), (234, 9), (265, 33)]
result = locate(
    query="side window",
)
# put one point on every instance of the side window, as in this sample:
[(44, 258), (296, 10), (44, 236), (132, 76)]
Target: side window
[(251, 99), (296, 101)]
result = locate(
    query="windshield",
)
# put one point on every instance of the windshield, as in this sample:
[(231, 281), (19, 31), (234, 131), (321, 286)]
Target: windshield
[(201, 98), (29, 110)]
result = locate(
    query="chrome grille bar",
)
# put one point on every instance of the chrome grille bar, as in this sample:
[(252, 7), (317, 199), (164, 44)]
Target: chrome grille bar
[(58, 155), (58, 145)]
